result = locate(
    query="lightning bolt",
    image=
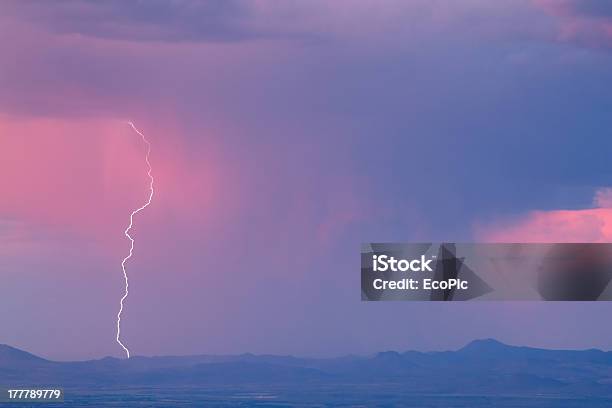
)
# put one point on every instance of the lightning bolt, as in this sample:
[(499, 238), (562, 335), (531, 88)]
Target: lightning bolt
[(127, 234)]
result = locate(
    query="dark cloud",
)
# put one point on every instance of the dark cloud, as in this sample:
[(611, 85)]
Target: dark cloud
[(593, 8), (585, 23), (151, 20)]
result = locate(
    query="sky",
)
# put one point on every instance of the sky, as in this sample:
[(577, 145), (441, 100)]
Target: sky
[(284, 134)]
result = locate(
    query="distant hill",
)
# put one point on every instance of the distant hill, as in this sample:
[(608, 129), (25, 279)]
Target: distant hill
[(11, 357), (481, 367)]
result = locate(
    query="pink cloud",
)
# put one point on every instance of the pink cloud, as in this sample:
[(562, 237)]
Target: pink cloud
[(83, 176), (585, 22), (586, 225), (603, 198)]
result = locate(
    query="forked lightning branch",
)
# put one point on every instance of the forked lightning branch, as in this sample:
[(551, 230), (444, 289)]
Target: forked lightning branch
[(127, 234)]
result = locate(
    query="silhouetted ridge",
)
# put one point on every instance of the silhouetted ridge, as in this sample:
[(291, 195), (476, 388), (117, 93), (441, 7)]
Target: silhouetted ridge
[(481, 367), (389, 355), (486, 345), (13, 355)]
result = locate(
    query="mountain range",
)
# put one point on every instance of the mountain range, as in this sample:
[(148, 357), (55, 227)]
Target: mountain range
[(483, 367)]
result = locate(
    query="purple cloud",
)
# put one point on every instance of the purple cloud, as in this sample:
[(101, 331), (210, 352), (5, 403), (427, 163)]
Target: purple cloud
[(155, 20)]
